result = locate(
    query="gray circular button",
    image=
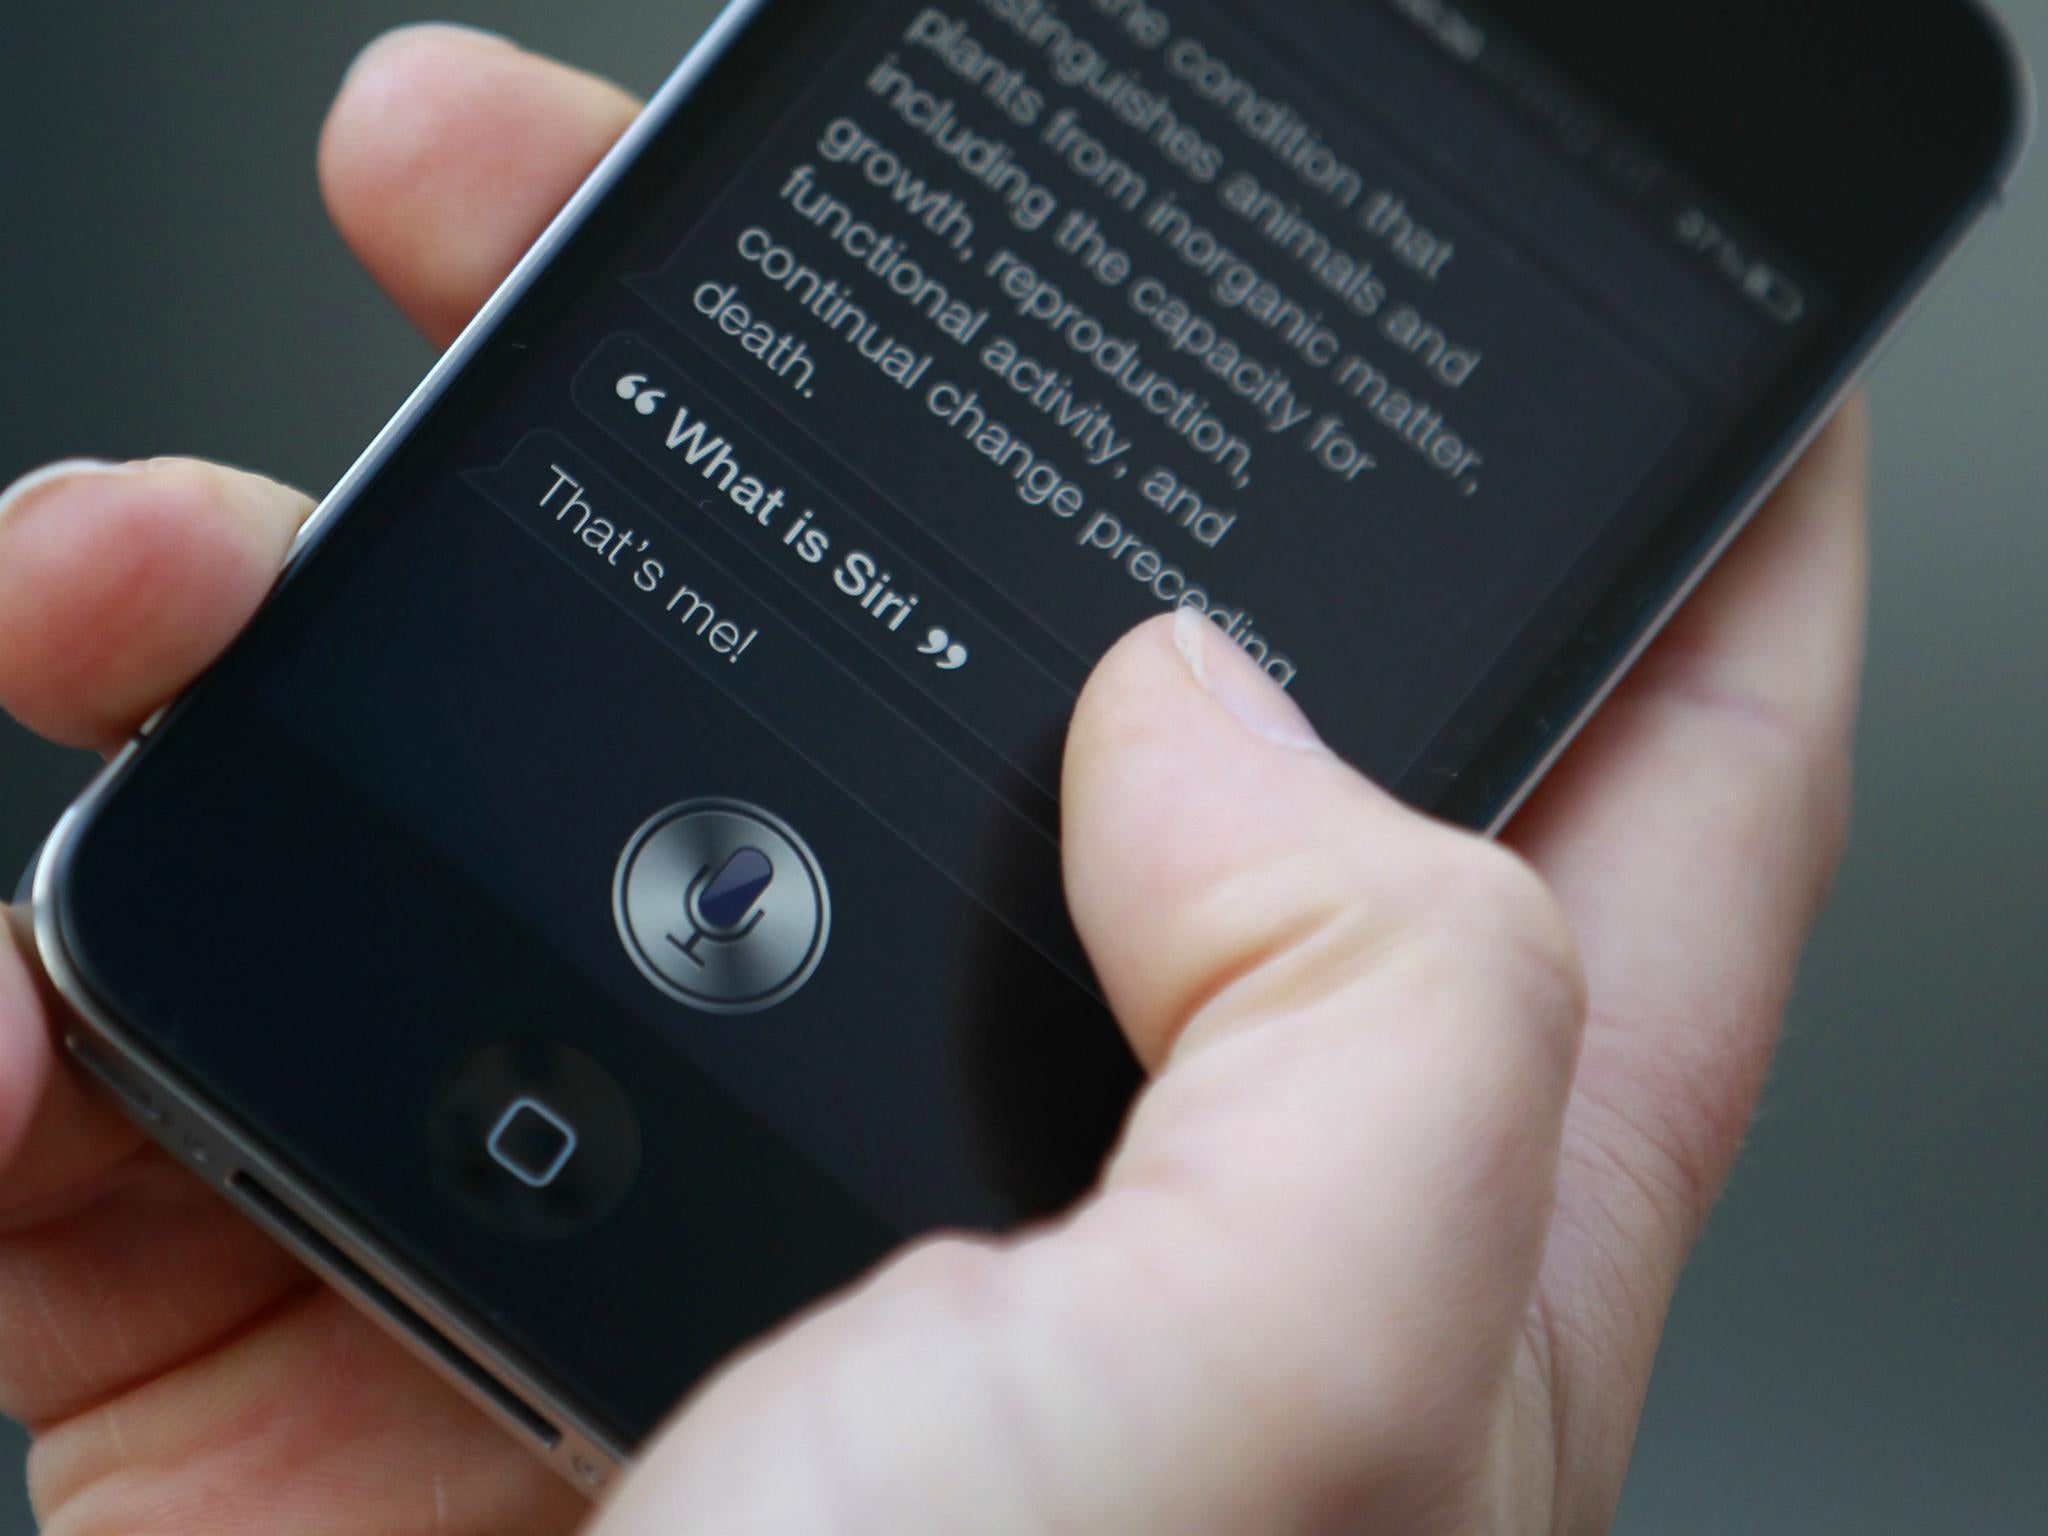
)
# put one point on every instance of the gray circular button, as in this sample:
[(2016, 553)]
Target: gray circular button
[(722, 906)]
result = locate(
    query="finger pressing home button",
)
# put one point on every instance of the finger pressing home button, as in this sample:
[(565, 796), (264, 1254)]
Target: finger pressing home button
[(722, 906), (534, 1140)]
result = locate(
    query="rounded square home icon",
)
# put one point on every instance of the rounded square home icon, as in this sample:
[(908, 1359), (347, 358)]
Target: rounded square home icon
[(532, 1143)]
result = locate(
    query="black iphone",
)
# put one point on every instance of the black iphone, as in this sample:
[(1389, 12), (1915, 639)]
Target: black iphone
[(611, 895)]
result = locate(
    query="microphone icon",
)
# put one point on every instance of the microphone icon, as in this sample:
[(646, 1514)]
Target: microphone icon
[(725, 907), (721, 905)]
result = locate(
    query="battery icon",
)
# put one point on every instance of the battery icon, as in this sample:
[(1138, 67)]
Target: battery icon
[(1775, 293)]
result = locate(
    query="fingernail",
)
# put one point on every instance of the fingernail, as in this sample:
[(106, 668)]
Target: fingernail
[(1241, 685), (18, 494), (399, 34)]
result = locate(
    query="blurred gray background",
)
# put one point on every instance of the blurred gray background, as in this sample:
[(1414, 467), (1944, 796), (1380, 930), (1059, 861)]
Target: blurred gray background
[(1862, 1346)]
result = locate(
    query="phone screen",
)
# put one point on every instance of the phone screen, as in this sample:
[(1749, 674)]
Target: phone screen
[(732, 644), (713, 633)]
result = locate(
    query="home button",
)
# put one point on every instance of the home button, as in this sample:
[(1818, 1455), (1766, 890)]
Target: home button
[(534, 1141)]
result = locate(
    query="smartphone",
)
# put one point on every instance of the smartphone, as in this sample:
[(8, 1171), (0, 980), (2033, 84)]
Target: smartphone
[(611, 897)]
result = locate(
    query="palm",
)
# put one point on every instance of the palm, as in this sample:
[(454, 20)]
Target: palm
[(182, 1373)]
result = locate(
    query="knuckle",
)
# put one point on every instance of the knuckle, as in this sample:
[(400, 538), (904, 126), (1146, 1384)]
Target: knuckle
[(1458, 916), (1486, 916)]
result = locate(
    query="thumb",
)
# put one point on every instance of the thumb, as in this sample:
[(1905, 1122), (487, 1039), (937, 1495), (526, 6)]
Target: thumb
[(1295, 1302), (1222, 862), (1363, 1027)]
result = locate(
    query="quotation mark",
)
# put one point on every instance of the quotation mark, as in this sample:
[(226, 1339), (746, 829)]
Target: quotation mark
[(952, 655), (646, 401)]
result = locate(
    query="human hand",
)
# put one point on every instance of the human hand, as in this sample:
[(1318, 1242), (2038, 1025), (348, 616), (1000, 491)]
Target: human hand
[(1389, 1241), (1391, 1235)]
